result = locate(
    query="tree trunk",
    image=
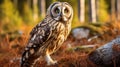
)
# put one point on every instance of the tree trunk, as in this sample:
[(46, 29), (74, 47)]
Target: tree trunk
[(81, 10), (92, 11), (29, 3), (15, 3), (112, 10), (107, 55), (35, 10), (21, 7), (118, 10), (97, 10), (42, 7)]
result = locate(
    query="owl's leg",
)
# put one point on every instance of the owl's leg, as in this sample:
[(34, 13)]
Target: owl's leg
[(49, 60)]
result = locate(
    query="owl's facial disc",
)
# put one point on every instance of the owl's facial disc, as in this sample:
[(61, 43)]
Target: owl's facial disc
[(61, 12), (60, 15)]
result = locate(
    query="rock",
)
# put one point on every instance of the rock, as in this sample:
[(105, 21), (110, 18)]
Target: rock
[(79, 33)]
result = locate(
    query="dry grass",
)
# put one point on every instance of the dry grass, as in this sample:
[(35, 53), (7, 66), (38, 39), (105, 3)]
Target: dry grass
[(11, 51)]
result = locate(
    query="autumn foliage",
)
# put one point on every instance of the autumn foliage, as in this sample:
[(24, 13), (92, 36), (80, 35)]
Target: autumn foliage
[(67, 56)]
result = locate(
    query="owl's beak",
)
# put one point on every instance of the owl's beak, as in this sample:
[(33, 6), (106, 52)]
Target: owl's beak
[(62, 18)]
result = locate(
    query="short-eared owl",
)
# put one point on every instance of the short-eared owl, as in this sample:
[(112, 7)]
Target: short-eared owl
[(48, 35)]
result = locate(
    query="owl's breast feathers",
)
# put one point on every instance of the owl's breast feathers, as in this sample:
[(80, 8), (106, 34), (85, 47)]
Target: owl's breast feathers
[(47, 29), (49, 33)]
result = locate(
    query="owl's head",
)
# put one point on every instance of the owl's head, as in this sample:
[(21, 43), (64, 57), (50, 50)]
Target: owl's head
[(60, 11)]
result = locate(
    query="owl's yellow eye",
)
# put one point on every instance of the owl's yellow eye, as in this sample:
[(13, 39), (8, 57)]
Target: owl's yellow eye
[(57, 10)]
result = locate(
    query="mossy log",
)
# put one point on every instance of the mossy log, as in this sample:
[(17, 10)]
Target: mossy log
[(107, 55)]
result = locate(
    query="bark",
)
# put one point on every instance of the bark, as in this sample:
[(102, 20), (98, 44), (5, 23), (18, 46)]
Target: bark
[(42, 7), (15, 3), (29, 3), (97, 10), (35, 10), (81, 10), (112, 10), (85, 48), (92, 11), (118, 10), (107, 55)]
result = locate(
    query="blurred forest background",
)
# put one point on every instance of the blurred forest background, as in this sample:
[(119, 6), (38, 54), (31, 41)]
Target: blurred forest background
[(18, 17)]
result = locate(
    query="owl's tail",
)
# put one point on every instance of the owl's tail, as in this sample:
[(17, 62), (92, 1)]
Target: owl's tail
[(30, 55)]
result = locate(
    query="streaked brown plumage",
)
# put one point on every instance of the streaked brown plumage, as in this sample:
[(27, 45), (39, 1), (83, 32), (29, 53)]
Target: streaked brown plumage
[(48, 35)]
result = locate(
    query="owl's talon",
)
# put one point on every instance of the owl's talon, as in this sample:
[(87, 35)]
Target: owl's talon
[(52, 63), (49, 60)]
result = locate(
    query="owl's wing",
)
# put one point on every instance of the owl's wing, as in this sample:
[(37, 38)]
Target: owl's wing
[(39, 35)]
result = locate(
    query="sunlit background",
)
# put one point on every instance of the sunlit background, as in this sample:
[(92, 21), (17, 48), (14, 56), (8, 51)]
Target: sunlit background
[(21, 15)]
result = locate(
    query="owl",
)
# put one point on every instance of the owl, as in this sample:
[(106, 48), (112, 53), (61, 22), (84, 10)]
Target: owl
[(48, 35)]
